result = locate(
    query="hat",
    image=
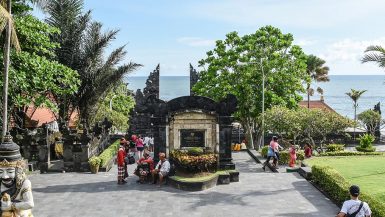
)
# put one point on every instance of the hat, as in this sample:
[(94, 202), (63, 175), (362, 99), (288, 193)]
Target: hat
[(10, 153), (354, 190)]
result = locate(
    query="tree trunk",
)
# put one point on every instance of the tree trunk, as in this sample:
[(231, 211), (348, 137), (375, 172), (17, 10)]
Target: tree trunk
[(249, 136), (308, 96), (355, 121), (7, 46)]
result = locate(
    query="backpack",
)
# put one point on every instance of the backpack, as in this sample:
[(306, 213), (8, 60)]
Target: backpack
[(132, 144), (356, 212)]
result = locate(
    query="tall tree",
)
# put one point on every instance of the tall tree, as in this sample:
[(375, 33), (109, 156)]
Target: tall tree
[(34, 74), (317, 71), (237, 66), (355, 95), (82, 48), (375, 54)]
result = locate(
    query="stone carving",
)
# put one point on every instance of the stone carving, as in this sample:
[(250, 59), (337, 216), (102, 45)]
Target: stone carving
[(377, 108), (193, 78), (152, 83), (16, 189)]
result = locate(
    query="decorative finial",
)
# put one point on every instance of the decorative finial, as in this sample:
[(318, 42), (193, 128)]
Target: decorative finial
[(8, 138)]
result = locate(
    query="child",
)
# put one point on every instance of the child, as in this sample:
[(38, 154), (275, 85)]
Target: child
[(293, 156)]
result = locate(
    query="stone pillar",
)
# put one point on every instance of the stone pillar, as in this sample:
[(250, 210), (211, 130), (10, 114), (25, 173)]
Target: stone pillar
[(225, 130)]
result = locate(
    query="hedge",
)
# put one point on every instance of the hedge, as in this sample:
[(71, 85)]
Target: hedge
[(349, 153), (335, 147), (337, 188), (368, 149), (109, 153), (264, 151)]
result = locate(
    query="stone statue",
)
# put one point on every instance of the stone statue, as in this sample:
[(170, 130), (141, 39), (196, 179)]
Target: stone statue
[(16, 192), (193, 78)]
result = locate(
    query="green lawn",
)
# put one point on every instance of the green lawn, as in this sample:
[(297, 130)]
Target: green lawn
[(366, 171)]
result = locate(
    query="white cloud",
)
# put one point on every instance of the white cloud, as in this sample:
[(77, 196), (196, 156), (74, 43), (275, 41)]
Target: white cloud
[(348, 49), (196, 41), (305, 42)]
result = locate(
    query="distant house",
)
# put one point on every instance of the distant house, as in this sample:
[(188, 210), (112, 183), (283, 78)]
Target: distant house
[(317, 104)]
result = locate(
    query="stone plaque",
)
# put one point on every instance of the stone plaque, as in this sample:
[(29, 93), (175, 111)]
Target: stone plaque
[(192, 138)]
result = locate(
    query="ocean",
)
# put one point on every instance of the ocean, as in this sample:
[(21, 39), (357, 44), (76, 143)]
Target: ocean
[(334, 90)]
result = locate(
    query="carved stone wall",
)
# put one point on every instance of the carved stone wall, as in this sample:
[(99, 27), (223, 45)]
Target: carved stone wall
[(194, 120)]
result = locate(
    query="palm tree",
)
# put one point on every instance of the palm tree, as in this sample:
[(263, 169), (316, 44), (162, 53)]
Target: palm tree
[(355, 95), (317, 72), (320, 91), (6, 23), (82, 48), (375, 54)]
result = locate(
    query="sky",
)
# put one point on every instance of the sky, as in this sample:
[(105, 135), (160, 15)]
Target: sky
[(175, 33)]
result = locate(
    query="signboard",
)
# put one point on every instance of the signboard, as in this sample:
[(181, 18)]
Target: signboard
[(192, 138)]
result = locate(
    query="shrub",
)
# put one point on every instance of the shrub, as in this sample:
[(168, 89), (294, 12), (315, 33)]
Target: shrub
[(94, 161), (349, 153), (195, 151), (331, 182), (366, 143), (335, 147), (109, 153), (193, 163), (369, 149), (264, 151)]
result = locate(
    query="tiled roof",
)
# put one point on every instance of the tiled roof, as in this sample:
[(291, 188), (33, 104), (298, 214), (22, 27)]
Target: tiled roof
[(40, 116), (316, 104)]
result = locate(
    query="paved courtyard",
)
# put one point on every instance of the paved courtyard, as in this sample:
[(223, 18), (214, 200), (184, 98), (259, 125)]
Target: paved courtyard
[(257, 194)]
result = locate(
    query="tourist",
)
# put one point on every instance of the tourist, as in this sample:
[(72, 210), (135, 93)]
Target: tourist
[(146, 142), (121, 165), (151, 143), (144, 168), (308, 151), (271, 152), (139, 146), (355, 207), (132, 144), (293, 156), (161, 170)]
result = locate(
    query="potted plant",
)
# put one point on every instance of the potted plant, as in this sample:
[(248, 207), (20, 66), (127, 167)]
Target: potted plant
[(94, 164)]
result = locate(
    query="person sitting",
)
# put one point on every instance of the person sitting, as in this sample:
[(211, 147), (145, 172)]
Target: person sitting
[(144, 168), (308, 151), (161, 170)]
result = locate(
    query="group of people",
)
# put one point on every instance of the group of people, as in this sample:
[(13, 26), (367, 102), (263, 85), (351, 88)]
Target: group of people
[(273, 153), (145, 164)]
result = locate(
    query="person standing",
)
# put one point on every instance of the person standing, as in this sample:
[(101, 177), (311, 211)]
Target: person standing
[(139, 146), (151, 143), (293, 156), (354, 207), (271, 152), (120, 160)]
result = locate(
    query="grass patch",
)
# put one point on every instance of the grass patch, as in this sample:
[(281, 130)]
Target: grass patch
[(366, 171)]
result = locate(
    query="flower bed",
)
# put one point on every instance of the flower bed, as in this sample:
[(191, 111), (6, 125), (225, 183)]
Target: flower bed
[(194, 161)]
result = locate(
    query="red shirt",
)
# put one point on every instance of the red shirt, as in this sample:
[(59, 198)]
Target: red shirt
[(148, 160), (121, 155), (307, 152)]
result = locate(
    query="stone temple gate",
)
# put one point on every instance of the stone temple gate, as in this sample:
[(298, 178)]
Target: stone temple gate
[(184, 122)]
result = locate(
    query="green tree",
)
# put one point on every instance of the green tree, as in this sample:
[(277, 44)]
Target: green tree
[(116, 106), (355, 95), (83, 47), (317, 71), (370, 120), (35, 77), (375, 54), (237, 64)]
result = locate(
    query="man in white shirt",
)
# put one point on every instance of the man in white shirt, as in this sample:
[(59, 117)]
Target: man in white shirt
[(354, 207), (162, 169), (146, 142)]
